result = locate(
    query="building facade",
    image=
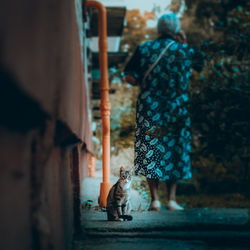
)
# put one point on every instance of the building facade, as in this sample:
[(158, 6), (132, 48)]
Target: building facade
[(45, 135)]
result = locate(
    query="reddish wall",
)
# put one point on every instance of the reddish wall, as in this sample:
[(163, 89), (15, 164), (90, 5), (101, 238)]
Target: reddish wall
[(43, 123)]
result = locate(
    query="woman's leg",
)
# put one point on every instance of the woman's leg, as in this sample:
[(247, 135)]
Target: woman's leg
[(155, 203), (172, 204), (171, 186), (153, 186)]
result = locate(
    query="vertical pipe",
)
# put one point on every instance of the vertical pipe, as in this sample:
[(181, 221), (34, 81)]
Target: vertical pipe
[(105, 104)]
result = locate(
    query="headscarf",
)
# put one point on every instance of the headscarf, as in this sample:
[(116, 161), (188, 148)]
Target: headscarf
[(168, 24)]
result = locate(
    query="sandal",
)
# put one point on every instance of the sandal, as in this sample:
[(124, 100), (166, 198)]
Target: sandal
[(173, 205), (155, 206)]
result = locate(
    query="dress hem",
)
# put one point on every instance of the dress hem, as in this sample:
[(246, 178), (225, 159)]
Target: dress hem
[(170, 179)]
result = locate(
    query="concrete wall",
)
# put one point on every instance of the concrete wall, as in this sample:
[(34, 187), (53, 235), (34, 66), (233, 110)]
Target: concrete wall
[(44, 123)]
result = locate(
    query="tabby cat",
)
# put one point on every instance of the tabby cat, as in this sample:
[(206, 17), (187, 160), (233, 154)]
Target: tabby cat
[(118, 205)]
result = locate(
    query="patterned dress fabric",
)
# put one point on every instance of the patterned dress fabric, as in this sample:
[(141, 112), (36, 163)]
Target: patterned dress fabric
[(162, 134)]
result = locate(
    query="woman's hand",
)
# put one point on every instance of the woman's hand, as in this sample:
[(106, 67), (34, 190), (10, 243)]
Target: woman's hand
[(181, 37), (130, 79)]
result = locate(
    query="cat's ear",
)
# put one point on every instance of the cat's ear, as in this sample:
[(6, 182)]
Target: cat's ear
[(122, 169)]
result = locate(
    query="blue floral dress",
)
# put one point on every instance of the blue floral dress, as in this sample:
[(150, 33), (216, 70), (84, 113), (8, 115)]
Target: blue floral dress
[(162, 134)]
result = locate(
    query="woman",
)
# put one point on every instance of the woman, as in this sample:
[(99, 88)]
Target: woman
[(162, 136)]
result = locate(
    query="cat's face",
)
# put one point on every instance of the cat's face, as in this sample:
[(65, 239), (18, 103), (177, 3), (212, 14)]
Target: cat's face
[(125, 176)]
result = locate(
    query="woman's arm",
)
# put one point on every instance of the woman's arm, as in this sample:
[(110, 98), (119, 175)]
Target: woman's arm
[(132, 68), (181, 37), (198, 60), (130, 79)]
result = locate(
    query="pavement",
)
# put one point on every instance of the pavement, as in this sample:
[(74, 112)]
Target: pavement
[(188, 229), (95, 222)]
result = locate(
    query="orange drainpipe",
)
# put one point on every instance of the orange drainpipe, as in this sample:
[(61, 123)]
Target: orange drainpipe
[(105, 104)]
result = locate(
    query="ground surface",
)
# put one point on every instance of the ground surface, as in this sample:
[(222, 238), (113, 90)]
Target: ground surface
[(202, 225), (188, 229)]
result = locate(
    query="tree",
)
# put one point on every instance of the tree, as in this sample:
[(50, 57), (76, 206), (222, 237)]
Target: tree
[(221, 94), (136, 30)]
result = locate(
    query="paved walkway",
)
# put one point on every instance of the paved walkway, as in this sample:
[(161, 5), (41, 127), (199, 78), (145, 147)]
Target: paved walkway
[(188, 229)]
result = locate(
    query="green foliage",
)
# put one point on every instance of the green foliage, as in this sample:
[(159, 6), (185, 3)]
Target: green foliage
[(221, 94)]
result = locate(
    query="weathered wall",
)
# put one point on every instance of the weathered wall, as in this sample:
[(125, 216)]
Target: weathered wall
[(43, 123)]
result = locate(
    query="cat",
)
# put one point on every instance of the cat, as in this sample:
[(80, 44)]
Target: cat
[(118, 205)]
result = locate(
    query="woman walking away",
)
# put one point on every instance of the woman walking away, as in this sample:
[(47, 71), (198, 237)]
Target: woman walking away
[(162, 138)]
